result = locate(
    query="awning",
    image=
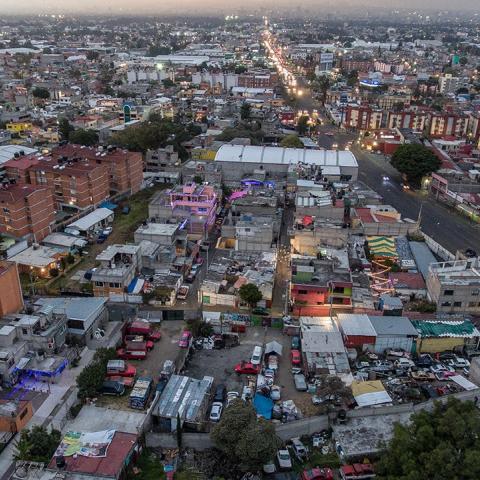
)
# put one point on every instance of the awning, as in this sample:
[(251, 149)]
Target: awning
[(307, 220), (273, 347), (110, 205), (370, 393), (463, 382)]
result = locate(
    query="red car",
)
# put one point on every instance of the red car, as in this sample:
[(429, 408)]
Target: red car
[(247, 368), (357, 471), (136, 342), (129, 371), (296, 357), (317, 474), (154, 336), (184, 341), (131, 354)]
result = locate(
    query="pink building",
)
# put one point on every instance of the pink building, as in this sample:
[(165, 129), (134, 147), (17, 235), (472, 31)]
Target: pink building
[(191, 203)]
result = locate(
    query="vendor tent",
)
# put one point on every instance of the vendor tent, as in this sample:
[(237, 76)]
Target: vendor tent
[(382, 246), (370, 393)]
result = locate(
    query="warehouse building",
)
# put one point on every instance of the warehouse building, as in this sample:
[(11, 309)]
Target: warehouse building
[(393, 332), (240, 161)]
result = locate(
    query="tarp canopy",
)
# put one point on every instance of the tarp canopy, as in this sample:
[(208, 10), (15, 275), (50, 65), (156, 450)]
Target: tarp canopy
[(447, 328), (382, 246), (273, 347), (463, 382), (263, 406), (370, 393)]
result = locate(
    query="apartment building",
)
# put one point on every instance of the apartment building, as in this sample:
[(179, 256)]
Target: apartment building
[(455, 286), (26, 210), (448, 84), (257, 80), (363, 118), (11, 299), (125, 168), (413, 120), (193, 204), (451, 124)]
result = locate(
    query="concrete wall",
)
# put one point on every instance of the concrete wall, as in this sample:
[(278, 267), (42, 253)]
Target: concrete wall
[(306, 426)]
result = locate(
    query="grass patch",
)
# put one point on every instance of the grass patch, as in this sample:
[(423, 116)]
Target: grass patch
[(150, 468)]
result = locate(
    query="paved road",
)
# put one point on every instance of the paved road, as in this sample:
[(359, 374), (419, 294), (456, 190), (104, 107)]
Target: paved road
[(445, 226)]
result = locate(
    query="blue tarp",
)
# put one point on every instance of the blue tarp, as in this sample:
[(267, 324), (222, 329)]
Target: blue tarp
[(131, 287), (109, 205), (263, 406)]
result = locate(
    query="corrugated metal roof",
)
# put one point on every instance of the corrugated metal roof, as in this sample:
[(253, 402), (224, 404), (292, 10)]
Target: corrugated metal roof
[(356, 324), (423, 257), (427, 328), (387, 325)]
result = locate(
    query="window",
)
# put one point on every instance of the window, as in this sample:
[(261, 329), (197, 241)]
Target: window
[(446, 304), (457, 304), (99, 284), (448, 292), (472, 304), (475, 293), (302, 292), (24, 331)]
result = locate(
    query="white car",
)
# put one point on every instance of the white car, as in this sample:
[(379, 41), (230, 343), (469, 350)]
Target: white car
[(275, 392), (257, 355), (404, 363), (459, 362), (269, 467), (107, 231), (216, 411), (284, 459), (231, 396), (247, 393)]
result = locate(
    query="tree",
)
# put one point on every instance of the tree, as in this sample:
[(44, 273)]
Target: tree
[(323, 84), (198, 179), (415, 161), (40, 92), (37, 444), (83, 137), (441, 444), (64, 128), (463, 61), (250, 294), (243, 438), (167, 83), (291, 141), (47, 51), (245, 111), (92, 376), (302, 125)]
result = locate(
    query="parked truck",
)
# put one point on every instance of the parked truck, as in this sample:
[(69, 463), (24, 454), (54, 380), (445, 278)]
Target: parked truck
[(143, 328), (141, 393)]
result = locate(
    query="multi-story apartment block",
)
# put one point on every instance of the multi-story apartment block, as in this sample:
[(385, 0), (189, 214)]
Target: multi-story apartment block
[(455, 286), (257, 80), (448, 84), (11, 299), (416, 121), (26, 210), (125, 168), (451, 124), (363, 118)]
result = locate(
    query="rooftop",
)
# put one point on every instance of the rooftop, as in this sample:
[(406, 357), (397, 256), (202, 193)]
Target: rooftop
[(450, 328), (387, 325), (356, 324), (320, 335)]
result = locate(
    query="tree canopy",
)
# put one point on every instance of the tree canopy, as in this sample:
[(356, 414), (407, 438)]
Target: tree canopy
[(243, 438), (250, 294), (302, 125), (83, 137), (291, 141), (64, 128), (40, 92), (415, 161), (245, 111), (443, 444), (37, 444)]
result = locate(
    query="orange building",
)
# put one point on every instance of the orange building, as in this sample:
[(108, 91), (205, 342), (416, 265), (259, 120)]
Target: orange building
[(11, 299), (125, 168), (14, 416), (26, 210)]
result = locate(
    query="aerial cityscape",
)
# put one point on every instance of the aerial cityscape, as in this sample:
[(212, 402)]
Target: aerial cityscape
[(239, 242)]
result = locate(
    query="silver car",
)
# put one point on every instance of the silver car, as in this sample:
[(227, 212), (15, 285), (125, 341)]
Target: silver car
[(216, 411)]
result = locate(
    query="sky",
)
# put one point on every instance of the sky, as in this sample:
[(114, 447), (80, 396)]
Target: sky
[(210, 6)]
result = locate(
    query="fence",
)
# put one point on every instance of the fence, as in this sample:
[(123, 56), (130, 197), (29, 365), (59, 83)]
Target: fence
[(435, 247)]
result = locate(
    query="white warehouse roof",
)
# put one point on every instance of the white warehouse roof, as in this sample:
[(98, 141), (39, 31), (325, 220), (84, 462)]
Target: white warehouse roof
[(285, 156), (88, 221)]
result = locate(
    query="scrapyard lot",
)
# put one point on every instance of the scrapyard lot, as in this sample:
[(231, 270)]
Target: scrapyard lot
[(220, 364)]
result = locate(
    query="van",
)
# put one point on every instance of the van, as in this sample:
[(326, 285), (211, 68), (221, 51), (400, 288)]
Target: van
[(257, 355), (110, 387)]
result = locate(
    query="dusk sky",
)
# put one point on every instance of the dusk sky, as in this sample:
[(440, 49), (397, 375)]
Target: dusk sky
[(204, 6)]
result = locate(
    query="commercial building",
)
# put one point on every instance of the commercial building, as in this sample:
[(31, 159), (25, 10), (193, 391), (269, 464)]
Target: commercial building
[(26, 211), (239, 161), (393, 332), (357, 331), (11, 298), (455, 286), (323, 349)]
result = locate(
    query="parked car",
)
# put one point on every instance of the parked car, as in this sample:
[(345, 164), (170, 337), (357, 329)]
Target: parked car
[(269, 467), (120, 368), (317, 474), (88, 274), (296, 357), (422, 376), (459, 362), (299, 449), (275, 392), (257, 355), (403, 362), (284, 459), (220, 393), (184, 341), (424, 361), (429, 391), (126, 210), (216, 411), (300, 382), (444, 376), (295, 342), (247, 368), (191, 277), (260, 311), (101, 238), (273, 362), (357, 471), (110, 387), (107, 231), (232, 396)]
